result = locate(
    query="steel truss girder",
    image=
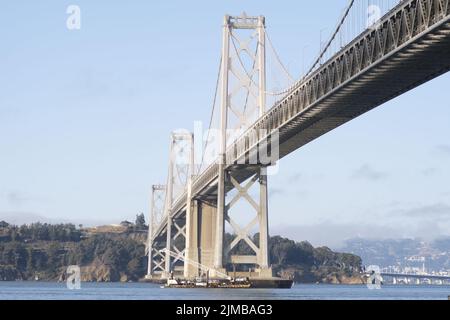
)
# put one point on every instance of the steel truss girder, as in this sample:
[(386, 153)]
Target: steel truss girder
[(156, 259)]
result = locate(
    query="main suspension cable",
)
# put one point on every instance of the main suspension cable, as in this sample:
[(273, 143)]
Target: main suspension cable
[(322, 53), (212, 113)]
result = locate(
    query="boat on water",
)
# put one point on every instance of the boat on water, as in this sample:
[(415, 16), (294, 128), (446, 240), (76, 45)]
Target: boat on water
[(223, 280), (240, 283), (230, 283)]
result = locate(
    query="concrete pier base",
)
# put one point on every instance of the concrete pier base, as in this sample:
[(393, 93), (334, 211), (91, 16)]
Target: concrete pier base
[(265, 273)]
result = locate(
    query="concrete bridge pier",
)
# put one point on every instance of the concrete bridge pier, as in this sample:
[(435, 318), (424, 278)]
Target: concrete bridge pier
[(207, 234), (200, 238), (191, 251)]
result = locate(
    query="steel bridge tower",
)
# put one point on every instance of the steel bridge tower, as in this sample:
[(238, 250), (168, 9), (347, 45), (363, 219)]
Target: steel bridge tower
[(198, 235), (235, 96), (155, 257), (181, 170)]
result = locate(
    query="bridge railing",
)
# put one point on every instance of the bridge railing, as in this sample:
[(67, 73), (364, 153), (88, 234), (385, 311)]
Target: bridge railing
[(205, 178), (198, 184)]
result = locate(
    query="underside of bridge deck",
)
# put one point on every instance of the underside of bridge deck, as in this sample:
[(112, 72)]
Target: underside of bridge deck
[(410, 47)]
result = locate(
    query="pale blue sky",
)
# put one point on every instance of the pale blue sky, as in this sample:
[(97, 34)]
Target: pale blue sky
[(85, 118)]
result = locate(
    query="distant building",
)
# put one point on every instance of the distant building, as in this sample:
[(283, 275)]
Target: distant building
[(415, 258), (126, 224)]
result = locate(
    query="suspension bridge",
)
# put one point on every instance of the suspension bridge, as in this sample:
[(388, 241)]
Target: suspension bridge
[(195, 215)]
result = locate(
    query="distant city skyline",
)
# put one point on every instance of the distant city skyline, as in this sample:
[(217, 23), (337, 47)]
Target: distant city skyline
[(85, 119)]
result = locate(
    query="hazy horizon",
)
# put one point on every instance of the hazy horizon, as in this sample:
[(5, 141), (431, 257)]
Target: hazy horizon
[(311, 233)]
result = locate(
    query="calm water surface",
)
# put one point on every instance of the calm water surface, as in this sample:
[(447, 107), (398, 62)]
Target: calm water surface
[(146, 291)]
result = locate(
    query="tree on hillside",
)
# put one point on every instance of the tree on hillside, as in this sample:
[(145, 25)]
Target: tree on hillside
[(135, 268), (4, 224), (140, 221)]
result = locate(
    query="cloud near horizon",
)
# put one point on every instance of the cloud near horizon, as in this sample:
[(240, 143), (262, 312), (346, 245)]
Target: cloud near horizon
[(444, 149), (16, 198), (273, 192), (433, 211), (295, 178), (366, 172), (334, 235)]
